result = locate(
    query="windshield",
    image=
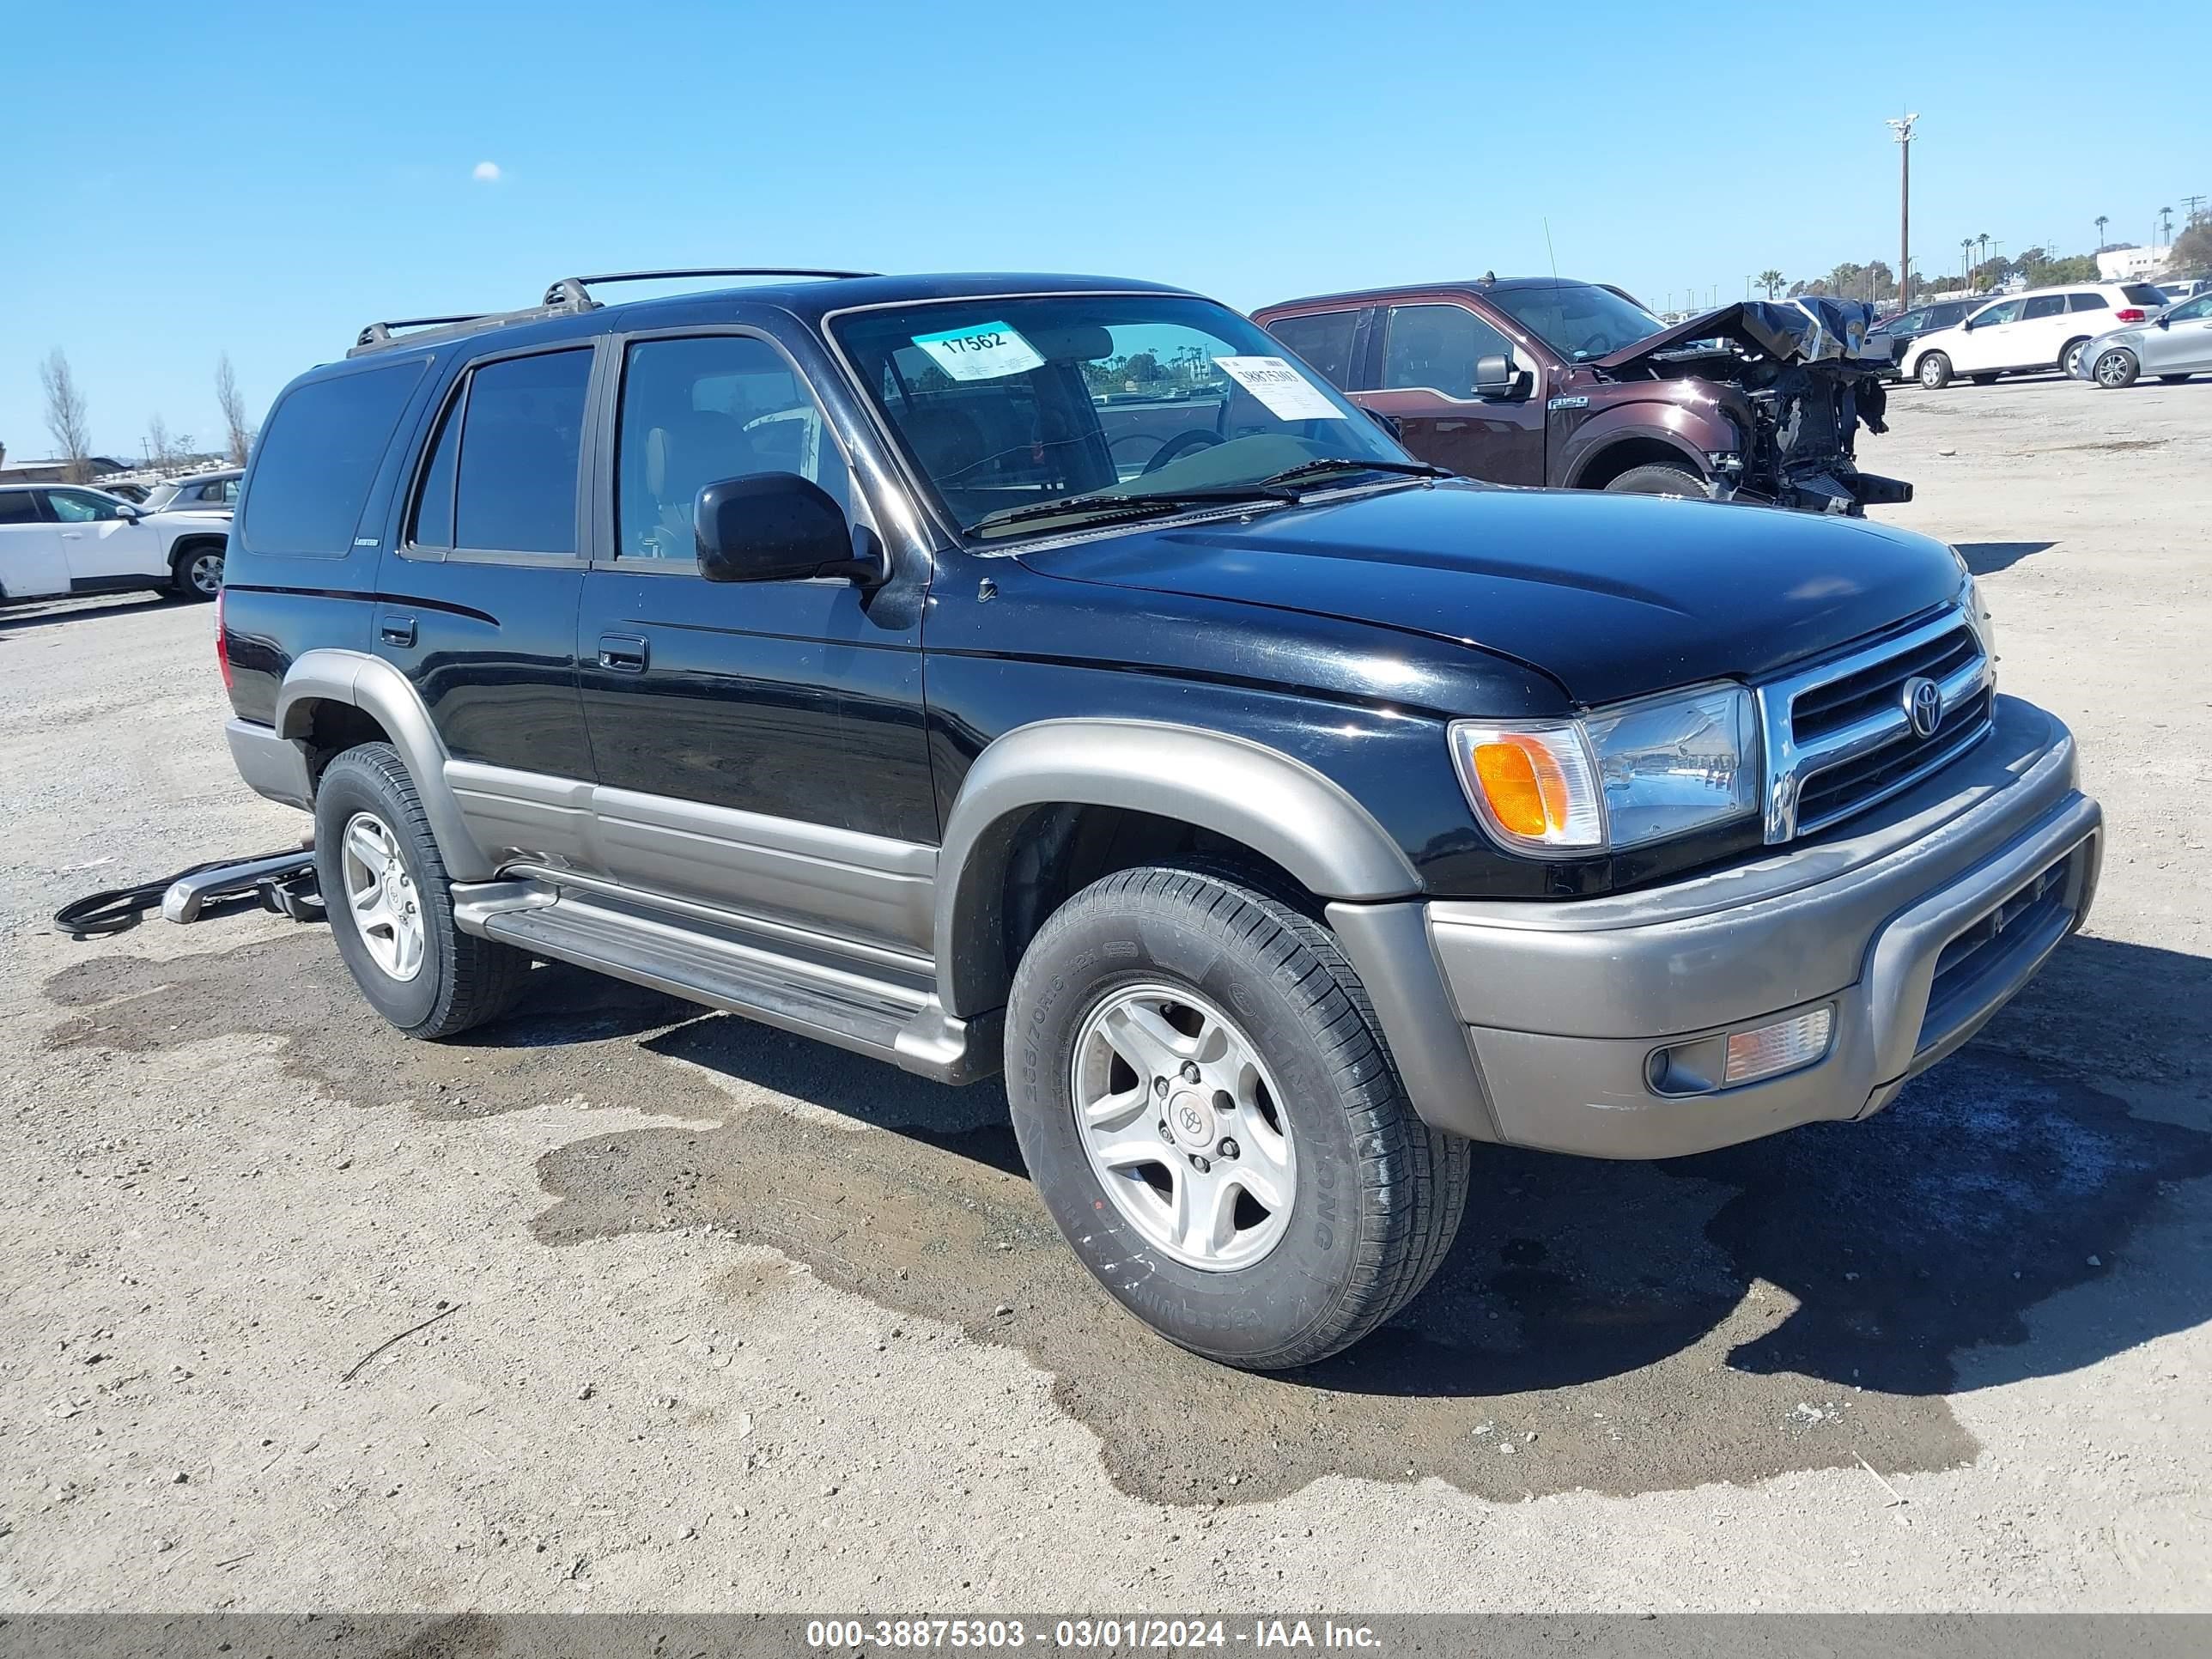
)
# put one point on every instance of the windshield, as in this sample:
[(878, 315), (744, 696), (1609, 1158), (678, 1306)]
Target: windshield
[(1110, 404), (160, 495), (1578, 321)]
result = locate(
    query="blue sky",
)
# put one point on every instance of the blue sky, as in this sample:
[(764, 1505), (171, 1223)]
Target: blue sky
[(264, 178)]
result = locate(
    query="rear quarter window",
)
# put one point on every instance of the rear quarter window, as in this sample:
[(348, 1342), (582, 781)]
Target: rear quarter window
[(2144, 294), (317, 460)]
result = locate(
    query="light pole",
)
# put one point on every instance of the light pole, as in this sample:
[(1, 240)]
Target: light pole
[(1903, 129)]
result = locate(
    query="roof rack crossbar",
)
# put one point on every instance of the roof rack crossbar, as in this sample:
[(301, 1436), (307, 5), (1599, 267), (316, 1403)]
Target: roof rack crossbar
[(574, 291)]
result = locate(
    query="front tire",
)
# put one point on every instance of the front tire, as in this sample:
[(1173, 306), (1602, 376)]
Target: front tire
[(1206, 1108), (1935, 371), (2118, 368), (1660, 478), (196, 573), (390, 904)]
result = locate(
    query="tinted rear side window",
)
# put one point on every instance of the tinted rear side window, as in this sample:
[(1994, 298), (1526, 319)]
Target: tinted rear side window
[(317, 459), (18, 507), (2085, 302), (1323, 340), (515, 489)]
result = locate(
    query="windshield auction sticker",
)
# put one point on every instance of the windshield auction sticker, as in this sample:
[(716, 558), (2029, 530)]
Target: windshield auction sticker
[(988, 351), (1288, 394)]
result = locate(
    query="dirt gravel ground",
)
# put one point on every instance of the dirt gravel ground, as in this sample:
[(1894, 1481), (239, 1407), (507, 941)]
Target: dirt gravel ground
[(711, 1318)]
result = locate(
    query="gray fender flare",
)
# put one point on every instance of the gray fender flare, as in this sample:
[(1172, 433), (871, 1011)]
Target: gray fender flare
[(1279, 807), (381, 691)]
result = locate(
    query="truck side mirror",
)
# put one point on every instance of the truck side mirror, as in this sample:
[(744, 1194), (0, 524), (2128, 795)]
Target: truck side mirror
[(1389, 423), (1494, 377), (775, 527)]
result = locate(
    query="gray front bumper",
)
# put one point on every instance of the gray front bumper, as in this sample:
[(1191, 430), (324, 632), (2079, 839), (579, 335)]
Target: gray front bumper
[(1559, 1007)]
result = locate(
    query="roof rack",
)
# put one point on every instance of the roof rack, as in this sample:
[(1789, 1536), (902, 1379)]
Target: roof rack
[(564, 298), (572, 292)]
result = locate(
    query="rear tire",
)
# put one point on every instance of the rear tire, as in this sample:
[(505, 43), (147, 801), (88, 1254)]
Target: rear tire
[(1151, 974), (196, 573), (1661, 478), (2116, 368), (1934, 372), (390, 903)]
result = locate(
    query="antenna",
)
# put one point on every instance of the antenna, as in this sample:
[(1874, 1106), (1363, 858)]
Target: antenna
[(1547, 248)]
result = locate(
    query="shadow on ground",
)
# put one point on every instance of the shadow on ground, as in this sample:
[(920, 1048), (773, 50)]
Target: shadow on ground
[(1986, 558), (1803, 1302)]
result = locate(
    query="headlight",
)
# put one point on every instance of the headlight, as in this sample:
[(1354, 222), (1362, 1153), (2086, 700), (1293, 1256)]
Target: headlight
[(1970, 600), (1619, 777)]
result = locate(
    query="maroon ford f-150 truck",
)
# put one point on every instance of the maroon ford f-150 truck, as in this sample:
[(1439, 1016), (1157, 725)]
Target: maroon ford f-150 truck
[(1537, 380)]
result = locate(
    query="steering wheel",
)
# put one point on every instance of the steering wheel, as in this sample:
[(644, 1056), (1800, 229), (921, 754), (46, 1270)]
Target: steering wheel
[(1195, 438)]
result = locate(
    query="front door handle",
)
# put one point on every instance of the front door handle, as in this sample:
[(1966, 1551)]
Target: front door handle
[(623, 652), (394, 629)]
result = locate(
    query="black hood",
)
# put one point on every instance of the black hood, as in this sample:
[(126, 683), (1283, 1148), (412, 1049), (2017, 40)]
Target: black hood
[(1612, 596), (1808, 331)]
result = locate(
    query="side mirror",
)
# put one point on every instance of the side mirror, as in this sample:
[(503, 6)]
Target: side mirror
[(128, 513), (775, 527), (1389, 423), (1494, 376)]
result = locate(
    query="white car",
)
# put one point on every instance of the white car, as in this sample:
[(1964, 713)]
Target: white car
[(2035, 333), (60, 540), (203, 492)]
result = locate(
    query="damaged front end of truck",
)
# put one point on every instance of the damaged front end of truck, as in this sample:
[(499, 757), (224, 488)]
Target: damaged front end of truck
[(1805, 378)]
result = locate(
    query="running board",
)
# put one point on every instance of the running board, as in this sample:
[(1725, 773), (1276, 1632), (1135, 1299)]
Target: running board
[(887, 1015)]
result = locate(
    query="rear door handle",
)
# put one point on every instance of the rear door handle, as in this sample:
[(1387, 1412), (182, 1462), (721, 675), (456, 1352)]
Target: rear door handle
[(395, 629), (623, 652)]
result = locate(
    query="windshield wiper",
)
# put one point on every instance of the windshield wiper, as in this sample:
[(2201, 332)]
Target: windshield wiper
[(1305, 470), (1108, 502)]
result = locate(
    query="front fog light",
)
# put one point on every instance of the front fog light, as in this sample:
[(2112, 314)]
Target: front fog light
[(1782, 1047), (1711, 1063)]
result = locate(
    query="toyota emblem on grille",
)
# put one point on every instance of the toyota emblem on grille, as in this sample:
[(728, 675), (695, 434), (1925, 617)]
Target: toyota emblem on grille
[(1924, 705)]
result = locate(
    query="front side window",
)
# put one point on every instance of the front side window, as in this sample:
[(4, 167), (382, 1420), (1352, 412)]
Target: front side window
[(2007, 313), (2086, 302), (502, 474), (1027, 415), (82, 507), (2197, 310), (1435, 347), (700, 411), (1323, 339), (1578, 320)]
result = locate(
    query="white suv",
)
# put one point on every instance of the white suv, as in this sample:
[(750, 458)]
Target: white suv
[(59, 539), (2038, 331)]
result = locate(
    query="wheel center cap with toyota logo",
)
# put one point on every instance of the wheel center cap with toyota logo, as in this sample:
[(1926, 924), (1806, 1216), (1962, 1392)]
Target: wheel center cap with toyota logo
[(1924, 705), (1190, 1120)]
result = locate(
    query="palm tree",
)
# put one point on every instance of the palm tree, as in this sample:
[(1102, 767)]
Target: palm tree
[(1966, 260), (1984, 238), (2102, 220), (1771, 280), (2166, 224)]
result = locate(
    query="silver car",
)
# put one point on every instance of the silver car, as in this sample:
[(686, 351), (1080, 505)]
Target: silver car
[(2172, 345)]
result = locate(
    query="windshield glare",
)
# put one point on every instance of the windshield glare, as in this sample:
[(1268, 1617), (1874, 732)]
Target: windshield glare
[(1578, 321), (1010, 403)]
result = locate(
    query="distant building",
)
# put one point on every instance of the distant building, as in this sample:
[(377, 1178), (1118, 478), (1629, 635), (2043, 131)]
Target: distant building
[(2127, 264), (54, 471)]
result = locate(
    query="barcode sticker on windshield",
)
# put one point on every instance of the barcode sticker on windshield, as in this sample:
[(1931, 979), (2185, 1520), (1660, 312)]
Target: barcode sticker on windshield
[(1288, 394), (988, 351)]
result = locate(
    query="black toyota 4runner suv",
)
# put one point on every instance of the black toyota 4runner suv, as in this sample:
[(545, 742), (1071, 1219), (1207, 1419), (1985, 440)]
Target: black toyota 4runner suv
[(1049, 673)]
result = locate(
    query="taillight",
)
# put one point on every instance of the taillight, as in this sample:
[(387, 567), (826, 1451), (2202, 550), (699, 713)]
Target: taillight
[(221, 650), (2129, 314)]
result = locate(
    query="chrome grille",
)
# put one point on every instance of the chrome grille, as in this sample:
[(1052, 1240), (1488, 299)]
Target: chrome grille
[(1839, 738)]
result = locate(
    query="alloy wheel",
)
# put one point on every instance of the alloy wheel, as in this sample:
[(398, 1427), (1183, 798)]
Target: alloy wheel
[(385, 905), (1184, 1127)]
